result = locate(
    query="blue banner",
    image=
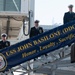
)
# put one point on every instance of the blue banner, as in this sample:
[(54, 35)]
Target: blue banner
[(37, 46)]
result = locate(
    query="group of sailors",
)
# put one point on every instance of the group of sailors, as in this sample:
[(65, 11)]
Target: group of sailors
[(36, 30)]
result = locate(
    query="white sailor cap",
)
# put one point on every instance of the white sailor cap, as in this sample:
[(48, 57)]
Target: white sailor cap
[(3, 35)]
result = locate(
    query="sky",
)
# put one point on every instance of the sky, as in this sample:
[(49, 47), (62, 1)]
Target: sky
[(50, 12)]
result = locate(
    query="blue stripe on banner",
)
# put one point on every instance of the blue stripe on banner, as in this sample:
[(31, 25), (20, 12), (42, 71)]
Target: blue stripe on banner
[(37, 46)]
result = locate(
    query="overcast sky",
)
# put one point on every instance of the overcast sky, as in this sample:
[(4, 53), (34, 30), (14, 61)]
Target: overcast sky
[(50, 12)]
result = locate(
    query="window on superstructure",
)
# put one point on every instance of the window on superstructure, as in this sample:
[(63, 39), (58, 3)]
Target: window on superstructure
[(10, 5)]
